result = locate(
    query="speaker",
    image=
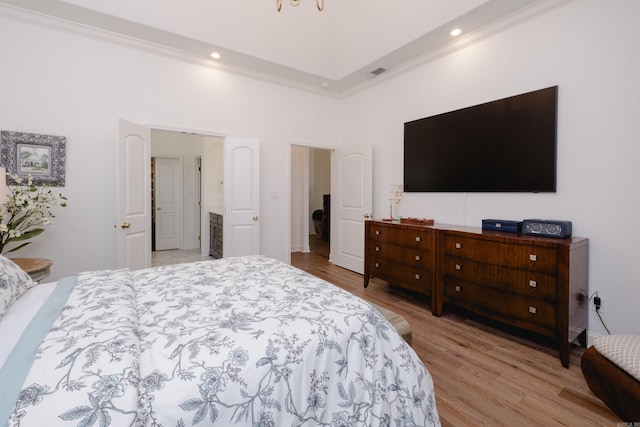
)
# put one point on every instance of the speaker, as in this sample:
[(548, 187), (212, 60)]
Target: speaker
[(547, 227)]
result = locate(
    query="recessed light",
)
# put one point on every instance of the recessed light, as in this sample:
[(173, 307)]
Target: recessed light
[(456, 32), (325, 85), (215, 55)]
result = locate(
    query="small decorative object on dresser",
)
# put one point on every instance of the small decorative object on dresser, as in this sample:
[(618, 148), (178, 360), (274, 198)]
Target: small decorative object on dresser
[(506, 225), (547, 227), (38, 268)]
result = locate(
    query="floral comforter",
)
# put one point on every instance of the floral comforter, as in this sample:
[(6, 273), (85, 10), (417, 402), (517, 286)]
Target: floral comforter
[(246, 341)]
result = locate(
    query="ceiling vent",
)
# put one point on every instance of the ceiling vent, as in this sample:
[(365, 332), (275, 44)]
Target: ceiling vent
[(375, 73)]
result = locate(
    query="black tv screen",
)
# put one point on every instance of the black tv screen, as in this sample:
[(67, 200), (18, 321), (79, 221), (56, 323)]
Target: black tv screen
[(508, 145)]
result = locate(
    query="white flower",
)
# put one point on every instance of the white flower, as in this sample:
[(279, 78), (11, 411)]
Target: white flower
[(25, 211)]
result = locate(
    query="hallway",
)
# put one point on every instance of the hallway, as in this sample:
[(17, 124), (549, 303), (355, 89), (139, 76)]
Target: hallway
[(176, 256)]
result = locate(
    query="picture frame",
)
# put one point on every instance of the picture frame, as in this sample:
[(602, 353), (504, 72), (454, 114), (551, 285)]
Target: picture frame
[(29, 154)]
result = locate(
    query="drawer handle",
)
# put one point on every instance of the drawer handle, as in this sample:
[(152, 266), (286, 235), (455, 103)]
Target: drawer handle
[(417, 277), (458, 245), (457, 288), (532, 310), (458, 267), (533, 283), (377, 248), (418, 238), (533, 257), (377, 232), (417, 257)]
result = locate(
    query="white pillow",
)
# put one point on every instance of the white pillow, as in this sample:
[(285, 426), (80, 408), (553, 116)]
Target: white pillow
[(13, 283), (623, 350)]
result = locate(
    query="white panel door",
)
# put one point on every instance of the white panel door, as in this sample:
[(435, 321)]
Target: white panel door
[(168, 203), (241, 223), (351, 203), (133, 200)]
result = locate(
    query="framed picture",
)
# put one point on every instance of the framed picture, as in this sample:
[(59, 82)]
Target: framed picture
[(41, 156)]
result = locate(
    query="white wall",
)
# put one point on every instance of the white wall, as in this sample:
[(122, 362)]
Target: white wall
[(57, 81), (589, 48), (212, 184), (213, 172)]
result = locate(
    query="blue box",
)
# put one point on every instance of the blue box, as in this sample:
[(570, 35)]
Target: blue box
[(505, 225)]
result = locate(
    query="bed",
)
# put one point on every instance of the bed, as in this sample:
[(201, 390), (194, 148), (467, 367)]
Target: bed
[(246, 341)]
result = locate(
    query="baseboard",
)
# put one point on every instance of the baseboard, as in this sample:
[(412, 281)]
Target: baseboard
[(591, 337)]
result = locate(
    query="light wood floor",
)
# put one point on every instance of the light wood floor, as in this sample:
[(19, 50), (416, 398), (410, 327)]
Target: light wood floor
[(482, 377)]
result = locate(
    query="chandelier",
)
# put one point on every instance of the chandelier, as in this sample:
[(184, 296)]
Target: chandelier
[(319, 4)]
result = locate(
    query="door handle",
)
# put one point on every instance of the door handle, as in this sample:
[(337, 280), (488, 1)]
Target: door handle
[(368, 216), (125, 225), (255, 217)]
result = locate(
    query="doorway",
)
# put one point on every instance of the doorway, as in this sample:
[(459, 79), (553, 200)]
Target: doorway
[(240, 205), (310, 199), (193, 191)]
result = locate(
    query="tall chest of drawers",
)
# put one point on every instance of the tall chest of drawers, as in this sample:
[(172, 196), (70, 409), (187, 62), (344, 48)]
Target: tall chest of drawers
[(400, 254), (533, 283)]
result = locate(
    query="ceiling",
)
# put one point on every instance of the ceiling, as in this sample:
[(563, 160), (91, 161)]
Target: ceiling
[(332, 52)]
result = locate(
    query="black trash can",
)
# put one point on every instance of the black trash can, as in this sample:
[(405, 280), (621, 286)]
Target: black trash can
[(317, 221)]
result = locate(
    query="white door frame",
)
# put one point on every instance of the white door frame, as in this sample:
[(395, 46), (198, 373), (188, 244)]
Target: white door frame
[(170, 129), (198, 211)]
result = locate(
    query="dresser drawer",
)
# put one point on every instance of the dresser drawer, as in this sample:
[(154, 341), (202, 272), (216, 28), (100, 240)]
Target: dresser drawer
[(532, 284), (413, 278), (520, 256), (401, 236), (502, 306), (400, 254), (411, 257)]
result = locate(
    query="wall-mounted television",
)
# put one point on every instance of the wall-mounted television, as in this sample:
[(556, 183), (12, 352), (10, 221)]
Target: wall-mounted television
[(507, 145)]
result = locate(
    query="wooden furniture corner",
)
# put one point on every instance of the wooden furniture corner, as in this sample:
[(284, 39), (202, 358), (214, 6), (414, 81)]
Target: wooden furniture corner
[(38, 268)]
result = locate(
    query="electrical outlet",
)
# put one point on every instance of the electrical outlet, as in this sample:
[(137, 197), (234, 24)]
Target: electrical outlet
[(597, 304)]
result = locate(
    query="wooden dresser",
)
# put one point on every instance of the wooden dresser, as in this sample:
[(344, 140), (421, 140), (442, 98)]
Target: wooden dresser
[(400, 254), (536, 284)]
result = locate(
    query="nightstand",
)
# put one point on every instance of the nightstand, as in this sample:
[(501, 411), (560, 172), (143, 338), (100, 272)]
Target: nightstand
[(37, 268)]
